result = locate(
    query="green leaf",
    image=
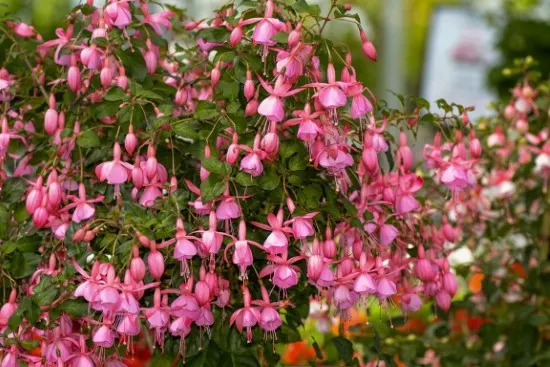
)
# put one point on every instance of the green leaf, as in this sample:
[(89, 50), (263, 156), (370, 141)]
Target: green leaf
[(229, 89), (214, 34), (29, 344), (45, 297), (88, 139), (289, 147), (311, 196), (298, 163), (145, 93), (23, 264), (344, 348), (270, 181), (114, 94), (301, 6), (4, 221), (212, 187), (106, 109), (246, 179), (318, 352), (75, 308), (206, 110), (213, 165)]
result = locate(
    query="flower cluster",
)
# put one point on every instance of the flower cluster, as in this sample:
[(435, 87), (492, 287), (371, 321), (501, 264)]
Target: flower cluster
[(188, 180)]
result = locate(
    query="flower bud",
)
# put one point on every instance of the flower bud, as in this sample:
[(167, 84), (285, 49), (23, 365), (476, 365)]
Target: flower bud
[(443, 300), (236, 36), (424, 270), (251, 108), (156, 264), (137, 265), (130, 141), (40, 217)]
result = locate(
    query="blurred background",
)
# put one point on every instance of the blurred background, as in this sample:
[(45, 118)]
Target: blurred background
[(451, 49)]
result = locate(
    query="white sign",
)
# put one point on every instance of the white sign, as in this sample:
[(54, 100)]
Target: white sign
[(460, 52)]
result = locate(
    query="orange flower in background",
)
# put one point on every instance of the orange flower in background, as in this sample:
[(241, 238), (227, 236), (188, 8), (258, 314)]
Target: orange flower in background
[(475, 284), (463, 319), (298, 353), (518, 269), (414, 325), (357, 320)]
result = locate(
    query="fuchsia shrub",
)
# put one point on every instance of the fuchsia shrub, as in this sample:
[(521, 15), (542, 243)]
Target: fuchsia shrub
[(196, 181)]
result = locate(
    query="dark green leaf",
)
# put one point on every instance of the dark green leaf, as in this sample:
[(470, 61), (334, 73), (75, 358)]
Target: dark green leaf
[(75, 308), (213, 165), (206, 110), (246, 179), (115, 94), (298, 163), (344, 348), (318, 352), (45, 297), (270, 181), (88, 139), (23, 264), (4, 221), (212, 187)]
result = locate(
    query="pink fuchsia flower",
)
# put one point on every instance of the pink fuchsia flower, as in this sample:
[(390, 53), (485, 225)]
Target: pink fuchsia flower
[(277, 241), (160, 21), (285, 275), (302, 226), (242, 255), (270, 320), (246, 317), (228, 208), (6, 135), (410, 302), (252, 162), (386, 232), (83, 208), (64, 37), (200, 207), (308, 125), (186, 304), (115, 172), (212, 239), (184, 249), (405, 201), (266, 28), (22, 30), (273, 107), (158, 316), (117, 13)]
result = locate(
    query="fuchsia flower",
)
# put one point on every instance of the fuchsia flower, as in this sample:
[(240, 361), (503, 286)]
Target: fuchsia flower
[(242, 255), (273, 106), (277, 241), (285, 275), (22, 29), (309, 126), (184, 249), (246, 317), (117, 13), (64, 37), (115, 171), (83, 208), (270, 320), (252, 162), (159, 21), (302, 226)]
